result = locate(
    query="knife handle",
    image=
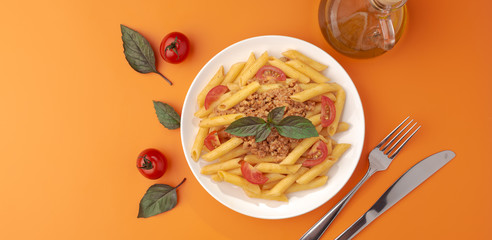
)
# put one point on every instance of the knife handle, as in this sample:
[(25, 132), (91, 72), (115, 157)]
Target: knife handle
[(355, 228)]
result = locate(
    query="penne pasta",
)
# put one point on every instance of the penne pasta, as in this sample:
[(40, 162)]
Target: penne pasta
[(299, 150), (313, 92), (249, 62), (268, 87), (239, 181), (215, 81), (253, 159), (233, 72), (308, 71), (339, 104), (315, 171), (317, 182), (251, 70), (196, 150), (306, 86), (239, 96), (263, 195), (220, 120), (293, 54), (274, 177), (203, 113), (288, 70), (330, 95), (235, 171), (236, 152), (269, 185), (277, 168), (220, 166), (339, 149), (286, 182), (316, 119), (342, 127), (233, 87), (216, 178), (222, 149)]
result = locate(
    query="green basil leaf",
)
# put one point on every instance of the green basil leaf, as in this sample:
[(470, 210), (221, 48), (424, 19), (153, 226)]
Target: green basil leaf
[(276, 115), (159, 198), (138, 52), (167, 116), (246, 126), (263, 133), (296, 127)]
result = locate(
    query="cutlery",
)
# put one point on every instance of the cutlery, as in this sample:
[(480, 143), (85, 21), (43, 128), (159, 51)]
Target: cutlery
[(403, 186), (379, 159)]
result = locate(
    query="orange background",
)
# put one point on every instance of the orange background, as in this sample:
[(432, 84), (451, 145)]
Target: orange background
[(75, 116)]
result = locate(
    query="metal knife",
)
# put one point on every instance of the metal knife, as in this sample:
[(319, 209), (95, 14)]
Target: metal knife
[(403, 186)]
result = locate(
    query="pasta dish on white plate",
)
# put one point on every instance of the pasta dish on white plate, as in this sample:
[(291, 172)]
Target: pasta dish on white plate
[(267, 125)]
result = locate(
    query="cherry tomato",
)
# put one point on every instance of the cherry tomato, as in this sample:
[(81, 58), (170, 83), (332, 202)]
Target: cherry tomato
[(252, 174), (270, 72), (328, 111), (212, 141), (151, 163), (214, 94), (174, 47), (317, 154)]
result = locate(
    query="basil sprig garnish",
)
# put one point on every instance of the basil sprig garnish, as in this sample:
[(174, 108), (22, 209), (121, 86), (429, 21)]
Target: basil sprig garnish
[(292, 126), (138, 52)]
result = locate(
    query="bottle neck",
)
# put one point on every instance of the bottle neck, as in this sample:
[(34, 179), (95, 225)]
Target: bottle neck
[(387, 5)]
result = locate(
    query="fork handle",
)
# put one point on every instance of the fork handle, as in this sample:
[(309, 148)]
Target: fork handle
[(317, 230)]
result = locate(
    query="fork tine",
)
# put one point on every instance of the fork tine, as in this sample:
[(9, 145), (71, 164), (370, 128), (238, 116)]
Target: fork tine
[(399, 140), (397, 135), (391, 133), (405, 142)]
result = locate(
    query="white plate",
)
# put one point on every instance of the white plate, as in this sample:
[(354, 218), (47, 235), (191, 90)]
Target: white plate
[(300, 202)]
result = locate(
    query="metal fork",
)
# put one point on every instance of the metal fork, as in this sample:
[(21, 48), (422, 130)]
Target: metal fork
[(379, 159)]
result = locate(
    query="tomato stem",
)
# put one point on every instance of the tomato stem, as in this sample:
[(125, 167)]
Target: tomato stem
[(170, 83), (147, 163), (172, 46)]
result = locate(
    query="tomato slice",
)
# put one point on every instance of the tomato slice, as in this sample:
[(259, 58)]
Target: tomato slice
[(270, 72), (252, 174), (328, 111), (214, 94), (317, 154), (212, 141)]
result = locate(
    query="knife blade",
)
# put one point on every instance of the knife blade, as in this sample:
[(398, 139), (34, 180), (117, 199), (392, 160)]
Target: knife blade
[(403, 186)]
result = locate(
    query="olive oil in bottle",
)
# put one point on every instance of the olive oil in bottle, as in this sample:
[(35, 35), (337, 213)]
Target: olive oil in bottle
[(362, 28)]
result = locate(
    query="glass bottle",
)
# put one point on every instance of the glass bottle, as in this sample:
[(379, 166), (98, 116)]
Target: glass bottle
[(362, 28)]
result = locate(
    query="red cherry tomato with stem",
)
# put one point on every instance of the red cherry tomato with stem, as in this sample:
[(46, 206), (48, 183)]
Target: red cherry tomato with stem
[(270, 72), (174, 47), (214, 94), (328, 111), (151, 163), (252, 174), (317, 154)]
